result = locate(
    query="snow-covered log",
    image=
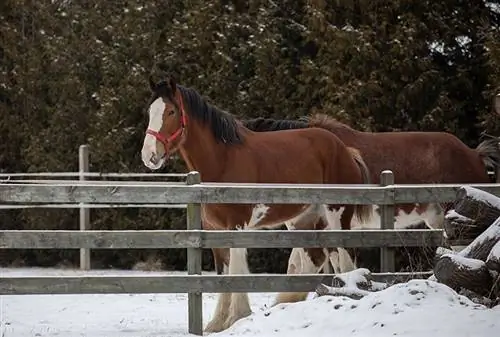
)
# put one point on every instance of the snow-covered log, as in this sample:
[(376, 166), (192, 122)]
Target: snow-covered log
[(440, 251), (493, 259), (474, 210), (468, 269), (457, 226), (481, 246), (460, 272), (354, 284)]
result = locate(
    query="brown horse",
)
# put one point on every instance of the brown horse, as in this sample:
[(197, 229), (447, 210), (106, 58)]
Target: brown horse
[(414, 158), (217, 145)]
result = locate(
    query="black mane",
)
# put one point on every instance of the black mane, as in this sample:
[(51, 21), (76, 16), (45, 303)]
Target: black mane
[(224, 126), (261, 124)]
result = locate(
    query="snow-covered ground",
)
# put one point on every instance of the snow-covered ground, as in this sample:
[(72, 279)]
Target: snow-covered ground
[(415, 309)]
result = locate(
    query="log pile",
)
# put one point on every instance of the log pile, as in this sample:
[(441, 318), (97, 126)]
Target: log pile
[(475, 270), (474, 211)]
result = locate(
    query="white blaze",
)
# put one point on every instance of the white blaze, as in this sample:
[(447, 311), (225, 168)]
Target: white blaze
[(155, 123)]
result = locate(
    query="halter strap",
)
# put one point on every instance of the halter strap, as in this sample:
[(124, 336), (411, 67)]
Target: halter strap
[(166, 140)]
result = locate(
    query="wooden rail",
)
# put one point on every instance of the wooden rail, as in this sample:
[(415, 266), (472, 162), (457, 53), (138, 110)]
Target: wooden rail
[(150, 239), (179, 193), (194, 284)]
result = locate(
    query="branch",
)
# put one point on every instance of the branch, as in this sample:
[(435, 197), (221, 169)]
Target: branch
[(354, 284)]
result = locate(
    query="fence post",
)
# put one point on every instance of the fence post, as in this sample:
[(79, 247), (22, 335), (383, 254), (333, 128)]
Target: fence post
[(194, 261), (83, 166), (497, 173), (387, 263)]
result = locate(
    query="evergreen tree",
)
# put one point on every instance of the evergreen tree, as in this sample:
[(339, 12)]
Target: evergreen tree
[(75, 72)]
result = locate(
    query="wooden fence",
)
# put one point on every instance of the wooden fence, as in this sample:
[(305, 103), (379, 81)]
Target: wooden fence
[(84, 173), (193, 193)]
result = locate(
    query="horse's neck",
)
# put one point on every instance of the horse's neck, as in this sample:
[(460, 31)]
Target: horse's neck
[(202, 153)]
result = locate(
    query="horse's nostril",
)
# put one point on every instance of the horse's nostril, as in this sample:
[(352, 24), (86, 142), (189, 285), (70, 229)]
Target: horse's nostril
[(153, 159)]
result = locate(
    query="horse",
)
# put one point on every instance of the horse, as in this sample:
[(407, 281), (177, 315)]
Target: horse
[(217, 145), (413, 157)]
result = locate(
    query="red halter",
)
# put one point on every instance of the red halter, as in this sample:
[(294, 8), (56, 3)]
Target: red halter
[(176, 134)]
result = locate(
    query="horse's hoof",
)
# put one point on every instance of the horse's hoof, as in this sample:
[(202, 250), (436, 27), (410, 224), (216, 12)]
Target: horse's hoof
[(214, 326), (232, 319)]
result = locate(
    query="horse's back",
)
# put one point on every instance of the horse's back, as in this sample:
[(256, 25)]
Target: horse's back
[(292, 156), (421, 157)]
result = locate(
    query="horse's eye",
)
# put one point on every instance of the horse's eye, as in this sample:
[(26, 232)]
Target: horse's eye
[(171, 112)]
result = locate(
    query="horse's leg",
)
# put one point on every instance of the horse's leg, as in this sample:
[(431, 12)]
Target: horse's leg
[(295, 261), (311, 262), (231, 306), (303, 261), (327, 267), (340, 218), (224, 301), (220, 256), (345, 261), (239, 306)]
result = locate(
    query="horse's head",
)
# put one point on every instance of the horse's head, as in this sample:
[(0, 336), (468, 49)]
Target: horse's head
[(167, 120)]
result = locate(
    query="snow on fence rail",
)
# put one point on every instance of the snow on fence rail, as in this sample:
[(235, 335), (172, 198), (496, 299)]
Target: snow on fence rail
[(49, 192)]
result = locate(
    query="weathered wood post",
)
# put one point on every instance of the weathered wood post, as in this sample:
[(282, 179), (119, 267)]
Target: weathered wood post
[(194, 261), (387, 263), (83, 166), (497, 173), (497, 109)]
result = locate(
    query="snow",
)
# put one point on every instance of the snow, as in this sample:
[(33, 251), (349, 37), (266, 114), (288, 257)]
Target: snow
[(453, 215), (494, 7), (495, 252), (399, 310), (350, 281), (481, 195), (471, 264), (353, 278)]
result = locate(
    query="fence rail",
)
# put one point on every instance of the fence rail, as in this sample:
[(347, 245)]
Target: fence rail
[(191, 284), (150, 239), (8, 176), (179, 193)]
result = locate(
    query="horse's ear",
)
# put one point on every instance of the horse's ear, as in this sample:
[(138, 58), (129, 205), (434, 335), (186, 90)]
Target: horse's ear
[(173, 85), (497, 103), (152, 84)]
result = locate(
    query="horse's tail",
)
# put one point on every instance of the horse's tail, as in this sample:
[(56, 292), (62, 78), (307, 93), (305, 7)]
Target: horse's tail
[(362, 212), (489, 152), (321, 120)]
